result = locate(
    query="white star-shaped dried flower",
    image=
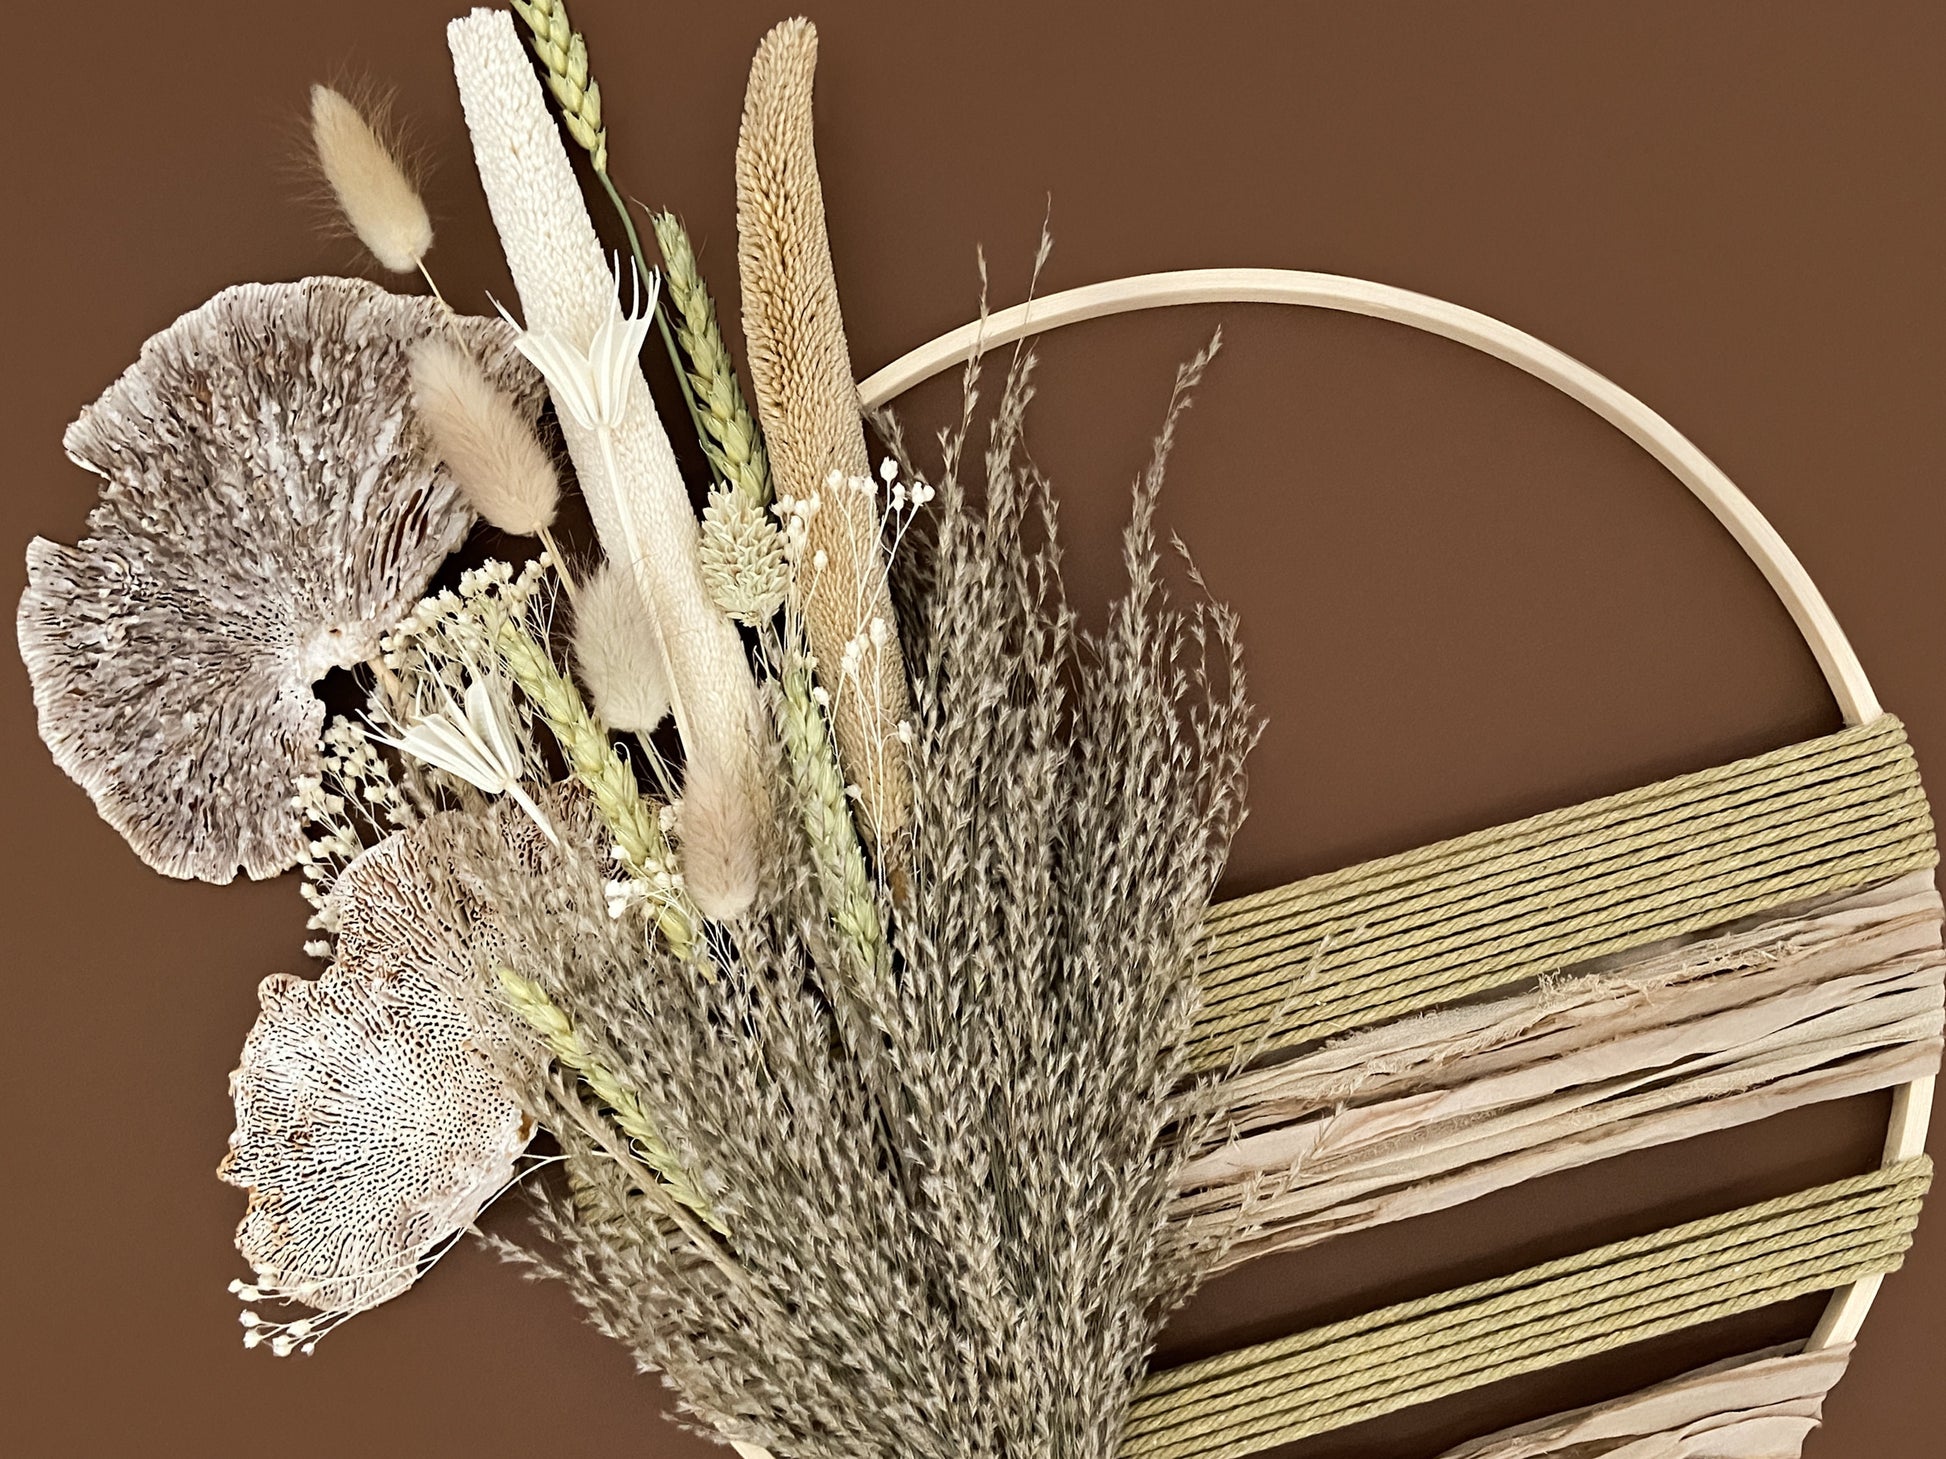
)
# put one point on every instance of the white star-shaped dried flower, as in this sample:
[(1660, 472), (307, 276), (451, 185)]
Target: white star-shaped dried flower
[(592, 386), (270, 508), (473, 741)]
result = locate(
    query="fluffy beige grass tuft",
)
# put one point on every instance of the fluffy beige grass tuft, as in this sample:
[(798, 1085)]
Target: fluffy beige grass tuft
[(619, 652), (369, 182), (719, 843), (486, 441)]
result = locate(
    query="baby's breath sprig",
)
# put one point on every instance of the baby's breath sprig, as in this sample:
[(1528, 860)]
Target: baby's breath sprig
[(351, 803), (563, 54), (557, 1031)]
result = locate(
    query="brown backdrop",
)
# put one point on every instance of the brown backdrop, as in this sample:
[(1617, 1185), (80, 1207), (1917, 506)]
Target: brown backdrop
[(1465, 598)]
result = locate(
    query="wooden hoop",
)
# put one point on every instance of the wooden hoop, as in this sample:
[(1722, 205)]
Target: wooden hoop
[(1912, 1104)]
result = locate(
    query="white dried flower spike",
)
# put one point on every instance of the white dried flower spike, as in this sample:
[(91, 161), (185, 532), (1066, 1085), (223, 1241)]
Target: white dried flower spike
[(486, 438), (587, 346), (472, 741), (592, 385), (269, 512), (618, 647), (370, 184)]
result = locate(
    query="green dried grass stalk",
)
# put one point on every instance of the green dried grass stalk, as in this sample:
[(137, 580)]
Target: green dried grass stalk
[(731, 439), (742, 550), (563, 54), (591, 757), (557, 1031), (826, 810)]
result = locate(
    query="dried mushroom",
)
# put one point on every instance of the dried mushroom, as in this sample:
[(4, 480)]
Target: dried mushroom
[(270, 508)]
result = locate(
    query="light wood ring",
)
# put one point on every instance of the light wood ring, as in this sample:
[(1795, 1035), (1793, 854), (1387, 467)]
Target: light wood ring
[(1912, 1104)]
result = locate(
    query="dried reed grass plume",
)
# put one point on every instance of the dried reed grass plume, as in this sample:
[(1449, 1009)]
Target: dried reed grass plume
[(808, 402), (486, 438), (619, 652), (944, 1215), (270, 510), (370, 183)]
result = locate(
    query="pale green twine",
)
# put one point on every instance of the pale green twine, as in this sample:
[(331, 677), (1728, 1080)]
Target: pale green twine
[(1256, 1398), (1407, 933)]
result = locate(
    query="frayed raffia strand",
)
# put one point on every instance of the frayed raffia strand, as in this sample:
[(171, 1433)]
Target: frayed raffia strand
[(1455, 1341), (801, 368), (1443, 922), (1760, 1406), (1429, 1112)]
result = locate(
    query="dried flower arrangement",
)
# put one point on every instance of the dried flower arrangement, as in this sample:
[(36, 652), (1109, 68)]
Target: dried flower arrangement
[(841, 955), (822, 916)]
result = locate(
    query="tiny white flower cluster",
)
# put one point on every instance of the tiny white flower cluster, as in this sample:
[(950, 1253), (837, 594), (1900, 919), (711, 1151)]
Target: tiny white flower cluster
[(794, 516), (902, 498), (899, 495), (451, 707), (301, 1335), (428, 666), (446, 635), (353, 802)]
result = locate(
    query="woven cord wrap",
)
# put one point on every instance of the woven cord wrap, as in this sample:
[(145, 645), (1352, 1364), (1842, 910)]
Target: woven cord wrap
[(1407, 933), (1259, 1397)]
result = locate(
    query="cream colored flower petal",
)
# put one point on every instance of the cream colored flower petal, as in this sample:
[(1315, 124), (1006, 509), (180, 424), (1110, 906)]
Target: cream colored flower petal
[(270, 508)]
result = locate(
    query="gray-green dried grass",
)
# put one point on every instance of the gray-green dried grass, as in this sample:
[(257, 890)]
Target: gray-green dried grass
[(943, 1197)]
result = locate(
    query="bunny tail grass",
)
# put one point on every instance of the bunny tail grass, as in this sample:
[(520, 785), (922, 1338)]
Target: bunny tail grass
[(489, 448), (618, 649), (370, 184)]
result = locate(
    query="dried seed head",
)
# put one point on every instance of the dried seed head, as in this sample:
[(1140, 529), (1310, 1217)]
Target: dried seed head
[(486, 438), (370, 184)]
